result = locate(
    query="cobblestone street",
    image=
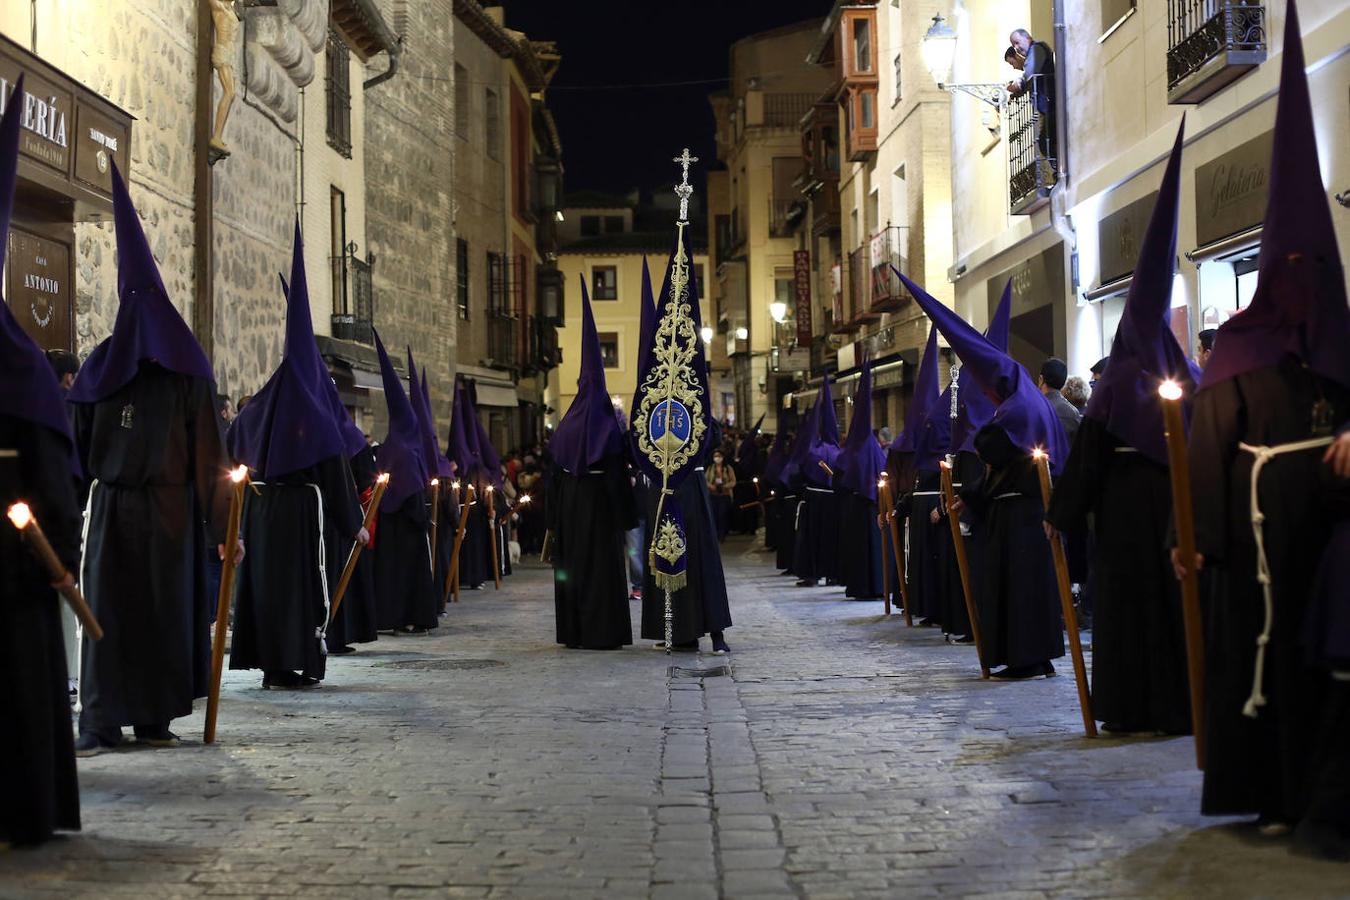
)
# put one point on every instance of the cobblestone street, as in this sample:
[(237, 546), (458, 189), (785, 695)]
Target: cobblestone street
[(843, 755)]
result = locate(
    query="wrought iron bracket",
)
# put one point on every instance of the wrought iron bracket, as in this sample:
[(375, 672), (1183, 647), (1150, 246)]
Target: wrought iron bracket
[(996, 95)]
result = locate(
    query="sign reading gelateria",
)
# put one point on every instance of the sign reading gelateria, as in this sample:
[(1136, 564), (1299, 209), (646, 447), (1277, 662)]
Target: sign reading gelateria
[(1231, 190), (69, 135)]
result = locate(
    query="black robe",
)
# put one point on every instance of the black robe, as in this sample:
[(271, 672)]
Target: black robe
[(701, 606), (446, 524), (1018, 598), (1139, 676), (1277, 763), (782, 518), (405, 597), (816, 546), (355, 622), (156, 457), (299, 528), (39, 792), (928, 580), (475, 552), (590, 517), (955, 616), (861, 548)]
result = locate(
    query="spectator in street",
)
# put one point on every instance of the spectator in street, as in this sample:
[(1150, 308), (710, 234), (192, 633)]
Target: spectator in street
[(1097, 369), (721, 483), (1054, 374), (1206, 346), (65, 365), (1076, 392)]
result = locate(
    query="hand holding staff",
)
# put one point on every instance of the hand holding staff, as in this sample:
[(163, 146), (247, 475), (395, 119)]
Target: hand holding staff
[(1066, 601), (238, 476), (435, 507), (506, 516), (452, 578), (963, 564), (1183, 515), (898, 548), (381, 483), (28, 527)]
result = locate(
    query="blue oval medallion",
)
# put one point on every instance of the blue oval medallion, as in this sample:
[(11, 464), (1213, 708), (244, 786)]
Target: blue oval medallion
[(670, 425)]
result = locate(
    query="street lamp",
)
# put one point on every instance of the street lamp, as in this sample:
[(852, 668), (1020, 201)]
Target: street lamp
[(939, 52), (778, 311)]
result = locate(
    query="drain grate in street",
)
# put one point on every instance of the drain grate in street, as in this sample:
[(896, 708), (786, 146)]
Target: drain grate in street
[(711, 672), (443, 665)]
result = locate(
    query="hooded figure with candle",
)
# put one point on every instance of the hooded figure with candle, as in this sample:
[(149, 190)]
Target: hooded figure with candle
[(925, 438), (151, 445), (860, 464), (1270, 456), (1117, 474), (37, 457), (814, 455), (301, 512), (1015, 589), (406, 601), (779, 502), (591, 509)]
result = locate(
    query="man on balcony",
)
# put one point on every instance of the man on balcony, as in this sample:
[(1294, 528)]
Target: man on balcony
[(1038, 77)]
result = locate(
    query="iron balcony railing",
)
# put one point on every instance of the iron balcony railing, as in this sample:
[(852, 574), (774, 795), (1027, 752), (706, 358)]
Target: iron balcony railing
[(1031, 147), (353, 316), (786, 110), (1211, 43), (886, 249)]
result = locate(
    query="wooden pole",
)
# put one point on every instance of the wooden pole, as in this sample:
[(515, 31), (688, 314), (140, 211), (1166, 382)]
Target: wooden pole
[(27, 524), (349, 569), (1183, 514), (1066, 602), (899, 549), (452, 580), (963, 565), (237, 479), (492, 533), (885, 563), (435, 506)]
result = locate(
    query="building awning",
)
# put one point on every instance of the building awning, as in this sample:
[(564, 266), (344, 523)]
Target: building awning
[(1110, 289), (1237, 244), (495, 395)]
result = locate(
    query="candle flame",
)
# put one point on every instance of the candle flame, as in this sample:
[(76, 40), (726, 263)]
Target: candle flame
[(944, 464), (755, 480), (455, 485), (238, 474), (20, 515), (881, 482), (489, 488), (1038, 454), (525, 499), (1169, 390), (435, 482), (382, 478)]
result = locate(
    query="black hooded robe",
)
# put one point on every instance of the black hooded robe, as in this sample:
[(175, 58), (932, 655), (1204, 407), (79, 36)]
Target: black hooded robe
[(817, 542), (355, 622), (861, 545), (299, 528), (927, 575), (39, 792), (1017, 599), (1139, 675), (1278, 763), (701, 606), (782, 512), (591, 515), (157, 458), (405, 597), (475, 552)]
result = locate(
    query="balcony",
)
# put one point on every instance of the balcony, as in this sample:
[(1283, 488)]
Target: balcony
[(353, 316), (784, 215), (859, 300), (765, 109), (506, 311), (1211, 44), (1031, 149), (544, 351), (820, 148), (551, 289), (886, 249)]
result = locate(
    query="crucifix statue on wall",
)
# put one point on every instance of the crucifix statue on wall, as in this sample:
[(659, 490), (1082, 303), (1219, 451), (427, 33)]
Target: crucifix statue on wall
[(226, 24)]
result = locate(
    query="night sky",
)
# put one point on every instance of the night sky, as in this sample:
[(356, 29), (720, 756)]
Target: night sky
[(615, 135)]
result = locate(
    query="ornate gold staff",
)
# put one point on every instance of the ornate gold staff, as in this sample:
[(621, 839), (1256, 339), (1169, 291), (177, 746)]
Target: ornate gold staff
[(1066, 601)]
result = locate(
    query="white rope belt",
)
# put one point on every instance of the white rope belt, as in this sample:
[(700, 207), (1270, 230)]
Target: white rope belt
[(1264, 455), (1126, 450), (821, 490), (926, 494), (1008, 496)]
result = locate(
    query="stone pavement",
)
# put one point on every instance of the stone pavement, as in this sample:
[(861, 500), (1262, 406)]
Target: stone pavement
[(841, 755)]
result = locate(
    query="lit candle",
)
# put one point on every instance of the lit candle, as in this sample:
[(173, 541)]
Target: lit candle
[(238, 476), (27, 524), (1179, 468), (962, 563)]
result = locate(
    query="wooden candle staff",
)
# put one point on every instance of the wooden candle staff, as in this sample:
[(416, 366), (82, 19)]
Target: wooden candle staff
[(32, 534), (435, 515), (1183, 515), (452, 579), (885, 563), (381, 483), (492, 533), (506, 516), (238, 477), (1042, 461), (888, 510), (963, 564)]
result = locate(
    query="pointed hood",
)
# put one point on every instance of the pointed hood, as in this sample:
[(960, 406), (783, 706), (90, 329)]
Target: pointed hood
[(296, 419), (461, 452), (1299, 306), (148, 327), (480, 443), (974, 409), (1022, 411), (31, 392), (441, 468), (925, 396), (1145, 353), (646, 336), (862, 460), (589, 433), (778, 452), (401, 453), (814, 445)]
